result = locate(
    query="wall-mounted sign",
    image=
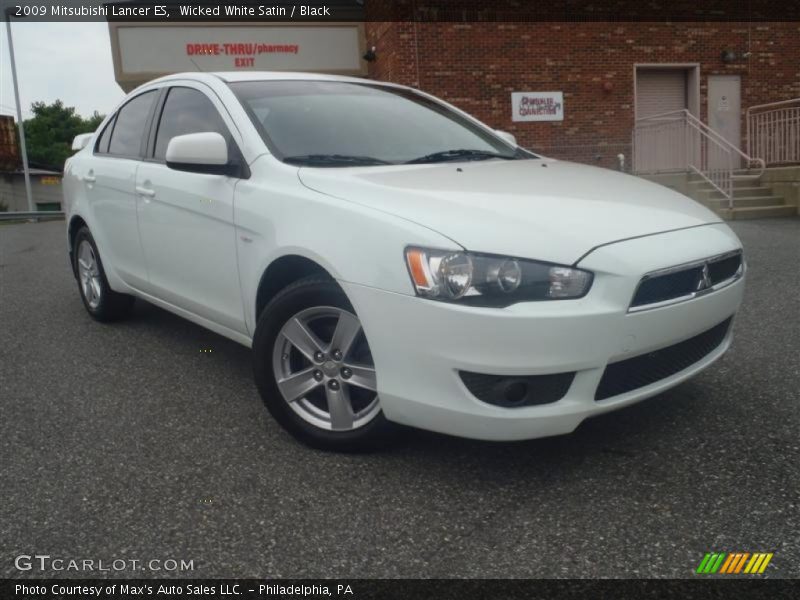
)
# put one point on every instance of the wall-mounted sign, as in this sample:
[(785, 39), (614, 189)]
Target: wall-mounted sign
[(537, 106), (148, 51)]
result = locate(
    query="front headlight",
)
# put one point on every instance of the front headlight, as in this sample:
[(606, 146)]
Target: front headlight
[(488, 280)]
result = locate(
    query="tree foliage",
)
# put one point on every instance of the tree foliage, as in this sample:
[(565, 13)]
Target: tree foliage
[(49, 133)]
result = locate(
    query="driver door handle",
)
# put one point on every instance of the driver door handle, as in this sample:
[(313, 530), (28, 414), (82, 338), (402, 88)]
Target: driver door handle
[(146, 192)]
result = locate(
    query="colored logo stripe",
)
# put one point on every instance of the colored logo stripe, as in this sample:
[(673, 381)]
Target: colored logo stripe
[(758, 563), (727, 564), (737, 562), (734, 563), (711, 562)]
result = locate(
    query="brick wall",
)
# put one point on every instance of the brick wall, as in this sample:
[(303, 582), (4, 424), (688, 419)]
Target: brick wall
[(477, 65)]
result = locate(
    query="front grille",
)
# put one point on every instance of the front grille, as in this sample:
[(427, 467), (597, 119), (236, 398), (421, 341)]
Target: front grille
[(642, 370), (725, 268), (511, 391), (686, 281)]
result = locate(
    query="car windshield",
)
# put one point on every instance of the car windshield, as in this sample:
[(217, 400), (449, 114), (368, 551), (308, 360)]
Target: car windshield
[(340, 124)]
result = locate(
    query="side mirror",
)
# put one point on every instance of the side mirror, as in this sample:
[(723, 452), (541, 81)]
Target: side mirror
[(80, 141), (508, 137), (205, 152)]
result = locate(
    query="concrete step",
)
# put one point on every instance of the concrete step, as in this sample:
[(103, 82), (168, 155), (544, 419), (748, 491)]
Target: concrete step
[(739, 192), (702, 183), (758, 212), (736, 173), (745, 202)]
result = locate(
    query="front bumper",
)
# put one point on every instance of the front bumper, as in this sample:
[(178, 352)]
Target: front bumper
[(419, 346)]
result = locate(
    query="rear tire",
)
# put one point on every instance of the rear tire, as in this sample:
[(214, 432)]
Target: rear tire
[(325, 396), (101, 302)]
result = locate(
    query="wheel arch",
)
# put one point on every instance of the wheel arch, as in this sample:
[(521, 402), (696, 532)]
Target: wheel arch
[(284, 271), (75, 223)]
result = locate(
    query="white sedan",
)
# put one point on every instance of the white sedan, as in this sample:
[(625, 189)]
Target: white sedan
[(392, 260)]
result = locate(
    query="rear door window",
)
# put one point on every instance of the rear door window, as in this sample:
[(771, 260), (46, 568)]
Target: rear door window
[(131, 121)]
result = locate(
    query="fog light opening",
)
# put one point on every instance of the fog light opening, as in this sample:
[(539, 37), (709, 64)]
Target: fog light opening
[(516, 392)]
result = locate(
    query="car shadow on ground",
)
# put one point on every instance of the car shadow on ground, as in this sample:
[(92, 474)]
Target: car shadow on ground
[(186, 336)]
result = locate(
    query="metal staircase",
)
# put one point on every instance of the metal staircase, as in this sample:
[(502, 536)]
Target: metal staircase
[(720, 175)]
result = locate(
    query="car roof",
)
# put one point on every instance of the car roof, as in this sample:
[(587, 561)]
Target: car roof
[(236, 76)]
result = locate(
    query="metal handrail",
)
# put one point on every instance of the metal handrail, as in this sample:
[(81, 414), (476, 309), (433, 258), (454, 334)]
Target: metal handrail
[(746, 156), (679, 141), (773, 131)]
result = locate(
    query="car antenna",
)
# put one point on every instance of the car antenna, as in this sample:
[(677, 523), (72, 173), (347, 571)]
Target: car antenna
[(196, 66)]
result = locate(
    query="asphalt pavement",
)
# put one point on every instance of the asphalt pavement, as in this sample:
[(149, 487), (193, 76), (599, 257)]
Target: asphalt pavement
[(128, 441)]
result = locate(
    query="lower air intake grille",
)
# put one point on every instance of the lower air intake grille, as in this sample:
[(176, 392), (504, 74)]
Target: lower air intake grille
[(511, 391), (642, 370)]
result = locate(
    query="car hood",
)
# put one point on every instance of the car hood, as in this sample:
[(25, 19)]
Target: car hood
[(542, 209)]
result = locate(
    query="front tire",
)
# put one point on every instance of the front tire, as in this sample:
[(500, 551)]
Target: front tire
[(101, 302), (314, 370)]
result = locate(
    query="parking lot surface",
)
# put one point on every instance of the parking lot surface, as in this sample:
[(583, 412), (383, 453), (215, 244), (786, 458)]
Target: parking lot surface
[(133, 441)]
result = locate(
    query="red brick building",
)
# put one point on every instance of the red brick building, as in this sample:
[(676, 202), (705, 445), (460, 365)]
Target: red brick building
[(572, 79), (608, 72)]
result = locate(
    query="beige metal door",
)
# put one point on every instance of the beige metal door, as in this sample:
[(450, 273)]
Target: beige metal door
[(661, 144), (725, 109), (660, 90)]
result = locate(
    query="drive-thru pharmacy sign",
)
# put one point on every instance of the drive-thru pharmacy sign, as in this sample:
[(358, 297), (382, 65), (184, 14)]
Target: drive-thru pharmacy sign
[(243, 54), (145, 51), (537, 106), (168, 49)]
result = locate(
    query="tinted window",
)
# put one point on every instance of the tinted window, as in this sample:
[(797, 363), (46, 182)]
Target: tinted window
[(105, 137), (302, 118), (186, 111), (131, 120)]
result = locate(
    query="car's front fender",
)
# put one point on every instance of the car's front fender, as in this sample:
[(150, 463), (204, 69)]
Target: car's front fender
[(275, 216)]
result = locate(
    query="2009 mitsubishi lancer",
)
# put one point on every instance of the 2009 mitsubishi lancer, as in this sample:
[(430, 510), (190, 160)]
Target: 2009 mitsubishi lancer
[(393, 261)]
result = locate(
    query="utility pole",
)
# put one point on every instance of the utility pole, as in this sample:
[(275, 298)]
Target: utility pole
[(23, 146)]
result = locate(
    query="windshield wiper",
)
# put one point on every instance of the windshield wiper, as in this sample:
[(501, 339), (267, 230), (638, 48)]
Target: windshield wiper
[(462, 154), (334, 159)]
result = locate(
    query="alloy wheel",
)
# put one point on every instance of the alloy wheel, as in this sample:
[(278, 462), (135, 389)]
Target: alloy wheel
[(89, 274), (324, 369)]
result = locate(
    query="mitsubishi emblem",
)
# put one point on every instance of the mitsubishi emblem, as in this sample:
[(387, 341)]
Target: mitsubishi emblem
[(705, 280)]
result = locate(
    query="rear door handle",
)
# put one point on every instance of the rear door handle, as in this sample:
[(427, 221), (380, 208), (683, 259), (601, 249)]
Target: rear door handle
[(147, 193), (89, 178)]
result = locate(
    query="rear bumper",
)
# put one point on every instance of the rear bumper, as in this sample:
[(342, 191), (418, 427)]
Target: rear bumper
[(419, 346)]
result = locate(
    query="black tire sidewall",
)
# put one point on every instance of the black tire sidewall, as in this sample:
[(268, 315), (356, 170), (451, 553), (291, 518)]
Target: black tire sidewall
[(112, 305), (307, 293)]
